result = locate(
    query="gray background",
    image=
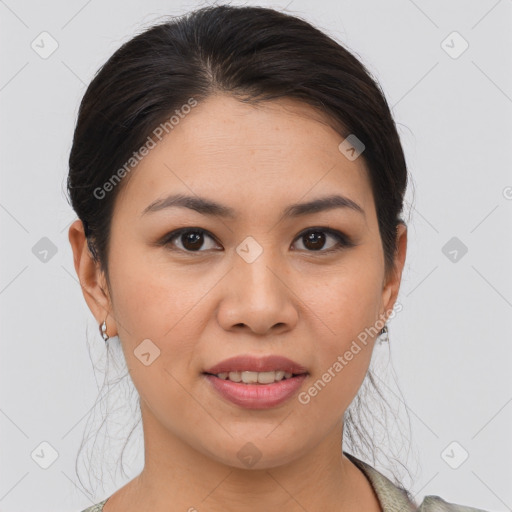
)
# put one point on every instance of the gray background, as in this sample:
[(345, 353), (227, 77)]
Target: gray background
[(451, 344)]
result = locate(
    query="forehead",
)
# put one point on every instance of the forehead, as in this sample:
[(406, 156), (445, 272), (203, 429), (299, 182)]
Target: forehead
[(282, 151)]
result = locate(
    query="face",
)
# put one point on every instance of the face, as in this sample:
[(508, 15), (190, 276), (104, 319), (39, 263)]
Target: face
[(264, 280)]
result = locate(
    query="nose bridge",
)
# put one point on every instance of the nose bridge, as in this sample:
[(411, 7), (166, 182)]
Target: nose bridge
[(255, 266), (259, 298), (255, 296)]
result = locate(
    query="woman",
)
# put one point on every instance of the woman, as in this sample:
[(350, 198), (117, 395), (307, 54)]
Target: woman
[(239, 181)]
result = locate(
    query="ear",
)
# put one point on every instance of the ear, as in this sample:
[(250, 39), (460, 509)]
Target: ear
[(392, 284), (91, 277)]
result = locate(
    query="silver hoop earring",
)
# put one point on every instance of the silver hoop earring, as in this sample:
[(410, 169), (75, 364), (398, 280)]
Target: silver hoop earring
[(103, 331), (384, 332)]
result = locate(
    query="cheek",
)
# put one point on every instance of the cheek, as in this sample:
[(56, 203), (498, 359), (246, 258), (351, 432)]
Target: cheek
[(347, 309), (347, 302), (155, 305), (158, 305), (152, 301)]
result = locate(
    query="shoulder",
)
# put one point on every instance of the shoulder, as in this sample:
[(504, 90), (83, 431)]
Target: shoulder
[(96, 508), (437, 504), (393, 498)]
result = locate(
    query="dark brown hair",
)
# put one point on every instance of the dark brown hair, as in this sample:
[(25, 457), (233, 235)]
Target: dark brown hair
[(254, 54)]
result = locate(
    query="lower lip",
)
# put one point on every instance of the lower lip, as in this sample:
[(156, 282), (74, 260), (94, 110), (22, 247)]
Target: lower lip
[(256, 396)]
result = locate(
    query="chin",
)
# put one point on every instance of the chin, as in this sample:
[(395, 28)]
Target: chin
[(255, 452)]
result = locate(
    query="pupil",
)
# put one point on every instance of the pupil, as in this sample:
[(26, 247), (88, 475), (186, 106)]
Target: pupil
[(193, 240), (317, 238)]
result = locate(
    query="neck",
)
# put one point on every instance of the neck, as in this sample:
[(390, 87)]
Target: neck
[(321, 478)]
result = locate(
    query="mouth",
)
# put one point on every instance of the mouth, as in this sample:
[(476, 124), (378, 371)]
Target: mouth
[(250, 377), (256, 395), (275, 366), (256, 382)]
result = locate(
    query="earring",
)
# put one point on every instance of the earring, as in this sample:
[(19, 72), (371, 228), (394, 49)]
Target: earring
[(103, 331), (385, 332)]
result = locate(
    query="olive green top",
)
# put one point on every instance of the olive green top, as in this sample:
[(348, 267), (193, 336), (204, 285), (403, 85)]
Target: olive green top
[(391, 497)]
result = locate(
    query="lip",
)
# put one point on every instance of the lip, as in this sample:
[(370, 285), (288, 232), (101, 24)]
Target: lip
[(256, 396), (257, 364)]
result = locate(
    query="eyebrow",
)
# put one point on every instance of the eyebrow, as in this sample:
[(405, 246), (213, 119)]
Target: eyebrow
[(206, 206)]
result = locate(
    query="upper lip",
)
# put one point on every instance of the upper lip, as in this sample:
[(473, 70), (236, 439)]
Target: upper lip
[(257, 364)]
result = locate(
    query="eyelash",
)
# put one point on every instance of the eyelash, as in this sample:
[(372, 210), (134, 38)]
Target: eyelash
[(344, 242)]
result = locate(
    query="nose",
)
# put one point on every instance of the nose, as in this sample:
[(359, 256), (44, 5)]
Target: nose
[(258, 297)]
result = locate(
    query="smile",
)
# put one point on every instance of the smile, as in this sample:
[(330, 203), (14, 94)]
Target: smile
[(248, 377)]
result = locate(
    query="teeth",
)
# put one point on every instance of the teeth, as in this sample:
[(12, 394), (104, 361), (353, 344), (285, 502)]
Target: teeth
[(266, 377), (249, 377), (255, 377)]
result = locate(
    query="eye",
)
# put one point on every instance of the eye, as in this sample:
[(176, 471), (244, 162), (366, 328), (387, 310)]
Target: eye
[(314, 240), (191, 239)]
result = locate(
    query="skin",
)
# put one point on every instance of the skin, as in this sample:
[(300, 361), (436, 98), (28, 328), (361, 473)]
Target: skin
[(200, 308)]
